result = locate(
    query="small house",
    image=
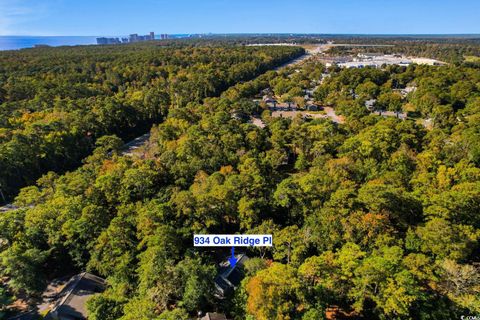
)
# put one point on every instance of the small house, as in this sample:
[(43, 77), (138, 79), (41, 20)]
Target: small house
[(266, 91), (370, 104), (269, 99), (405, 92), (214, 316), (239, 115), (309, 93), (229, 278)]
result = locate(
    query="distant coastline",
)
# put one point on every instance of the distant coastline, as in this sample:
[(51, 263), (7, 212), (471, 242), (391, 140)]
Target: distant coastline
[(22, 42)]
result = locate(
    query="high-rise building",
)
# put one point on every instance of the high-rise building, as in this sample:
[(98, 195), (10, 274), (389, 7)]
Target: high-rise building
[(104, 40), (134, 37)]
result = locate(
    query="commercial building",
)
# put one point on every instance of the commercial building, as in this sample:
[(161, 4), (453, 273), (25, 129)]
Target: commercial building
[(136, 38), (131, 39), (108, 40), (375, 60)]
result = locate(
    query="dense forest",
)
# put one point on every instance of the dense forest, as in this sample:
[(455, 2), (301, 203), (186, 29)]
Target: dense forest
[(376, 218), (56, 102)]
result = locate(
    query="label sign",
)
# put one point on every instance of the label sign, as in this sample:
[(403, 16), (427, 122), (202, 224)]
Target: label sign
[(232, 240)]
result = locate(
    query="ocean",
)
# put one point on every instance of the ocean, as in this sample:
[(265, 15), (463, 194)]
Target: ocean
[(21, 42)]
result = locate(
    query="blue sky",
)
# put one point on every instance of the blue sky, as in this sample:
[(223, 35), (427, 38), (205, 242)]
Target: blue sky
[(121, 17)]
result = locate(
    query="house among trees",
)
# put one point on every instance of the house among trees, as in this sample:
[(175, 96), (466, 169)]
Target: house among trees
[(239, 115), (214, 316), (407, 90), (309, 93), (268, 99), (370, 104), (71, 301), (266, 91), (229, 278)]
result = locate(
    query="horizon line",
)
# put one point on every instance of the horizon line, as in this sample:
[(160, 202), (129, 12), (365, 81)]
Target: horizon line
[(259, 33)]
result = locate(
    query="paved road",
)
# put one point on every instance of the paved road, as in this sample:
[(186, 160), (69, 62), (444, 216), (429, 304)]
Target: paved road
[(300, 59), (293, 62), (330, 112)]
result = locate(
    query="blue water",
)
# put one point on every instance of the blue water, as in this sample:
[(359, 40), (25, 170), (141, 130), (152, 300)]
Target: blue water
[(20, 42)]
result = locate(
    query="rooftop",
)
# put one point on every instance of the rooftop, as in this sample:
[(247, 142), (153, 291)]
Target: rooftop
[(71, 302), (214, 316), (229, 278)]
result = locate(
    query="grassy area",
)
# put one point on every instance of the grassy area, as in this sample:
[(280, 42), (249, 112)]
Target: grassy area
[(472, 59)]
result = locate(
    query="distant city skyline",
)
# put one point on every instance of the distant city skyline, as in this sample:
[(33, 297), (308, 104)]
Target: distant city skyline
[(115, 18)]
